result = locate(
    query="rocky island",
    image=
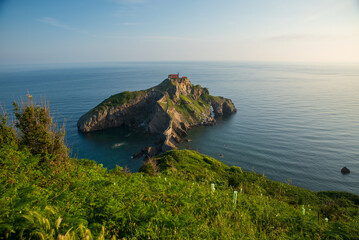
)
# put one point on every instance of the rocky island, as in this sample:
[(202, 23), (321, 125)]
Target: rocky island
[(167, 110)]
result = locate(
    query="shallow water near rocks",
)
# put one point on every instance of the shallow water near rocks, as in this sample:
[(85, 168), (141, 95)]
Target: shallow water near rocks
[(295, 123)]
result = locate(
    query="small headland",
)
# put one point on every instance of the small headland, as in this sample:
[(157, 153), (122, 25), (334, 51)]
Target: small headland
[(167, 110)]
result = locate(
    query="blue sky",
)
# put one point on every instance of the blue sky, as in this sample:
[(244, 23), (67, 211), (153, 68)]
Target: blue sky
[(49, 31)]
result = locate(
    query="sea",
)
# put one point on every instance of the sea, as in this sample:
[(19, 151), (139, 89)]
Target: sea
[(296, 123)]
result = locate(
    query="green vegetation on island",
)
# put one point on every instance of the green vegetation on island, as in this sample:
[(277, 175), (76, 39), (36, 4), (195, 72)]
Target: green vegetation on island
[(180, 194), (120, 98), (175, 96), (167, 111)]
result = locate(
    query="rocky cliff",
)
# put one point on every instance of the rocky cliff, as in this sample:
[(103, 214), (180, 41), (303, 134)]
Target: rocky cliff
[(167, 110)]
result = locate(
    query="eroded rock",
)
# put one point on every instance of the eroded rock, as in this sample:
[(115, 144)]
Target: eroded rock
[(167, 110)]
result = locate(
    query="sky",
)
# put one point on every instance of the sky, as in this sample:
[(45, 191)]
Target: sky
[(66, 31)]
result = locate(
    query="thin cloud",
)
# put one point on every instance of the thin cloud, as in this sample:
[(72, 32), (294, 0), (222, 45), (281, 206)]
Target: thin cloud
[(290, 37), (298, 37), (330, 10), (127, 7), (127, 12), (55, 23), (162, 37)]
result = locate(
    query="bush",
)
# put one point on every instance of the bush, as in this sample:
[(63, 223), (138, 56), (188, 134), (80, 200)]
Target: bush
[(38, 131), (7, 133), (150, 167)]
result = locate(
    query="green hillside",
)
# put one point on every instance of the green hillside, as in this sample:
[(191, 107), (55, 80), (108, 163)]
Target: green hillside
[(44, 194)]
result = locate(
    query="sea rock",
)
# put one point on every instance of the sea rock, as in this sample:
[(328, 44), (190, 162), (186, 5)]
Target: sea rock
[(137, 155), (151, 151), (345, 170), (167, 110)]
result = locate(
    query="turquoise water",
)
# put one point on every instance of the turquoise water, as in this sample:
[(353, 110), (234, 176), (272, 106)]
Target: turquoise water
[(295, 123)]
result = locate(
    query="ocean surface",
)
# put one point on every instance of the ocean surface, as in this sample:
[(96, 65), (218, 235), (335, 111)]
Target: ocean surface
[(295, 123)]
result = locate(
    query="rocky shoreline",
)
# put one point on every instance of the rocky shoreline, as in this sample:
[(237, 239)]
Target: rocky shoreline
[(167, 110)]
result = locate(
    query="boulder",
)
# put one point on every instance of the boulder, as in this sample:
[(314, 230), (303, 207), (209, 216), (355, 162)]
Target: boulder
[(345, 170)]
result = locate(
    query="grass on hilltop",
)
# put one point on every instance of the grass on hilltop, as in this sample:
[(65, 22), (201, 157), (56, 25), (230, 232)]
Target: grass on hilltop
[(44, 195)]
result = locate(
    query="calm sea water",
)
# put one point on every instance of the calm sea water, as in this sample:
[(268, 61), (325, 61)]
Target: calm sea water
[(295, 123)]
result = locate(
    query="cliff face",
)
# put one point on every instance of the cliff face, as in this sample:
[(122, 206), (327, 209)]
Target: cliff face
[(168, 110), (136, 112)]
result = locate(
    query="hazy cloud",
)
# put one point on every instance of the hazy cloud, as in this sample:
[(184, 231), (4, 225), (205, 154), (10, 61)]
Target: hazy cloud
[(54, 22), (164, 37), (298, 37)]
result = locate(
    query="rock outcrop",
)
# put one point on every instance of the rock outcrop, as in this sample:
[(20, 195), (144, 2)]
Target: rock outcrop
[(345, 170), (167, 110)]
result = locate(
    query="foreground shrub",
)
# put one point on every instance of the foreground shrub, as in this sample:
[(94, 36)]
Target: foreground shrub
[(7, 133), (150, 167), (38, 132)]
